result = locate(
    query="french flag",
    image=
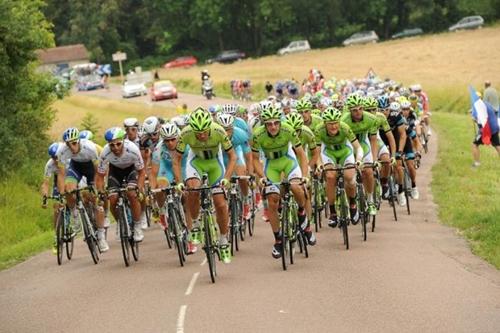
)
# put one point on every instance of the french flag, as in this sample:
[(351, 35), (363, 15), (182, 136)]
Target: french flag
[(484, 115)]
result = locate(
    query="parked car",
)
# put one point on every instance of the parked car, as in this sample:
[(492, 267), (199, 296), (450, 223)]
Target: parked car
[(362, 37), (295, 46), (187, 61), (408, 33), (226, 57), (133, 88), (469, 22), (163, 90), (89, 82)]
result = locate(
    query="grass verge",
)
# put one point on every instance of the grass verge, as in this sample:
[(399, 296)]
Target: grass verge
[(468, 198)]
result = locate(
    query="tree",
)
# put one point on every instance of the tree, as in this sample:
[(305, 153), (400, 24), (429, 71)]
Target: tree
[(25, 94)]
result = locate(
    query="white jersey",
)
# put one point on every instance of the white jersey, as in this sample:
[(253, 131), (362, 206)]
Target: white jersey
[(131, 155), (87, 153), (137, 141), (51, 168)]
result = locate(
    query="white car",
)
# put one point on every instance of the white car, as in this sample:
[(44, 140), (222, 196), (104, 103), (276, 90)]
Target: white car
[(133, 88), (362, 37), (469, 22), (295, 46)]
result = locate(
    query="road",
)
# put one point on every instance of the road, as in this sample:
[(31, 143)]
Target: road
[(413, 275), (191, 100)]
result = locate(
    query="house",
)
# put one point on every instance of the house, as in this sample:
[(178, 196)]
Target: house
[(59, 58)]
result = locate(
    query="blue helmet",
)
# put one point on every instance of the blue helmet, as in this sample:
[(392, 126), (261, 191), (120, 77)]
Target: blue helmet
[(114, 133), (383, 102), (86, 134), (71, 134), (53, 149), (214, 108)]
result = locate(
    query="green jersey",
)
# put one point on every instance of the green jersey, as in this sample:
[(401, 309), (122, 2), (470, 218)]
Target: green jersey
[(383, 124), (368, 125), (307, 138), (274, 146), (315, 121), (204, 149), (335, 142)]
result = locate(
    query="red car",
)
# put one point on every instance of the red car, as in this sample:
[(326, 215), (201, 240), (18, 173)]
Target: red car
[(181, 62), (163, 90)]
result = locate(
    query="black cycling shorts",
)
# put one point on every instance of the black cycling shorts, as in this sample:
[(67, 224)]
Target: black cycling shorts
[(122, 177)]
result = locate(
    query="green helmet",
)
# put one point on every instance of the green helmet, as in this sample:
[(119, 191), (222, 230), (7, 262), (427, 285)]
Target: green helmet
[(316, 112), (200, 120), (241, 109), (304, 105), (331, 114), (295, 120), (270, 113), (370, 103), (354, 100)]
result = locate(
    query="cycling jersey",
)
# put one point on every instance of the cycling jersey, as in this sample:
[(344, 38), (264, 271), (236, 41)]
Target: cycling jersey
[(51, 169), (307, 139), (336, 149), (137, 141), (86, 153), (205, 156), (131, 156), (146, 142), (239, 139), (395, 119), (367, 126), (163, 157), (242, 124), (315, 121)]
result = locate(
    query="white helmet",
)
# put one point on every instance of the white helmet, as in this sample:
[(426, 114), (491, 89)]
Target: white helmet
[(405, 104), (150, 125), (395, 106), (131, 122), (230, 108), (416, 87), (225, 119), (254, 109), (169, 130), (180, 121)]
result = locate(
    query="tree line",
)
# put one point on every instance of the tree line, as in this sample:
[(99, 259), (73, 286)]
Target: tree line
[(158, 29)]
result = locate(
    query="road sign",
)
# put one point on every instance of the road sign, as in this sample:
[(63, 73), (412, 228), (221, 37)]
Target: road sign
[(119, 56)]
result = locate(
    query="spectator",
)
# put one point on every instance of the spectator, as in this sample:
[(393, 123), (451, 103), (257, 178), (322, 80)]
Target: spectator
[(495, 141), (490, 96), (269, 87), (157, 76), (181, 110)]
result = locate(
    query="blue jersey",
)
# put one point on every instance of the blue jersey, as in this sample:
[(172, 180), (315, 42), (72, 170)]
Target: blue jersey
[(242, 124), (239, 139), (163, 157)]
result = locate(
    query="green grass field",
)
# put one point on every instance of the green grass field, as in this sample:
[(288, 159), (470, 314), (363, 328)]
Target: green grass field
[(468, 198)]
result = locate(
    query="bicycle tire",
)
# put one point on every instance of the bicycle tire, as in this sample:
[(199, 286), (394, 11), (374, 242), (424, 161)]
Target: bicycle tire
[(60, 236), (149, 214), (123, 232), (173, 216), (292, 235), (363, 210), (343, 217), (69, 239), (241, 221), (233, 236), (392, 202), (303, 240), (407, 188), (135, 248), (90, 239), (208, 248), (284, 237)]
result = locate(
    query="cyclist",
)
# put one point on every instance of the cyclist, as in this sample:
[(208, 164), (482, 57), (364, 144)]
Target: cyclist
[(304, 107), (398, 128), (205, 139), (77, 158), (424, 101), (306, 137), (337, 143), (412, 143), (161, 168), (244, 165), (131, 126), (126, 168), (51, 169), (384, 154), (365, 126), (232, 109), (282, 150)]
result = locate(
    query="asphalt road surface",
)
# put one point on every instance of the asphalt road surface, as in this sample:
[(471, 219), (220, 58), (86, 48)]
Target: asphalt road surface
[(413, 275)]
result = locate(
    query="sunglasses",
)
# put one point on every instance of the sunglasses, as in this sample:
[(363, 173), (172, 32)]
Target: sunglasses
[(155, 133), (169, 140), (356, 109), (273, 123), (72, 143), (116, 144), (133, 129)]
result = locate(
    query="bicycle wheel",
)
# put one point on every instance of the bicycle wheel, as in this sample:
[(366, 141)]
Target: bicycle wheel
[(362, 209), (241, 221), (69, 238), (343, 216), (392, 196), (174, 227), (89, 235), (124, 235), (407, 188), (209, 250), (292, 234), (149, 214), (284, 236), (233, 225), (60, 236)]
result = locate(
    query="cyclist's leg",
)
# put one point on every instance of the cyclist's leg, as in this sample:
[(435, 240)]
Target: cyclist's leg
[(368, 181), (384, 156), (329, 162)]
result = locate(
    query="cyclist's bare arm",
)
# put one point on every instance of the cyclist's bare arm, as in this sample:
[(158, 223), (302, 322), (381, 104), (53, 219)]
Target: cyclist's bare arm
[(231, 163), (257, 165), (301, 156), (176, 167)]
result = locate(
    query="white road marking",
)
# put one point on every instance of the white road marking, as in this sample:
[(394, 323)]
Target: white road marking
[(180, 319), (203, 262), (189, 289)]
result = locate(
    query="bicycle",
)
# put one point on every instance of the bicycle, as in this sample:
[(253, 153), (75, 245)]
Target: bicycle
[(319, 200), (65, 237), (377, 193), (237, 221), (253, 206), (125, 224), (87, 219), (210, 230), (406, 184), (362, 200), (176, 231), (391, 184), (289, 225), (342, 203)]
